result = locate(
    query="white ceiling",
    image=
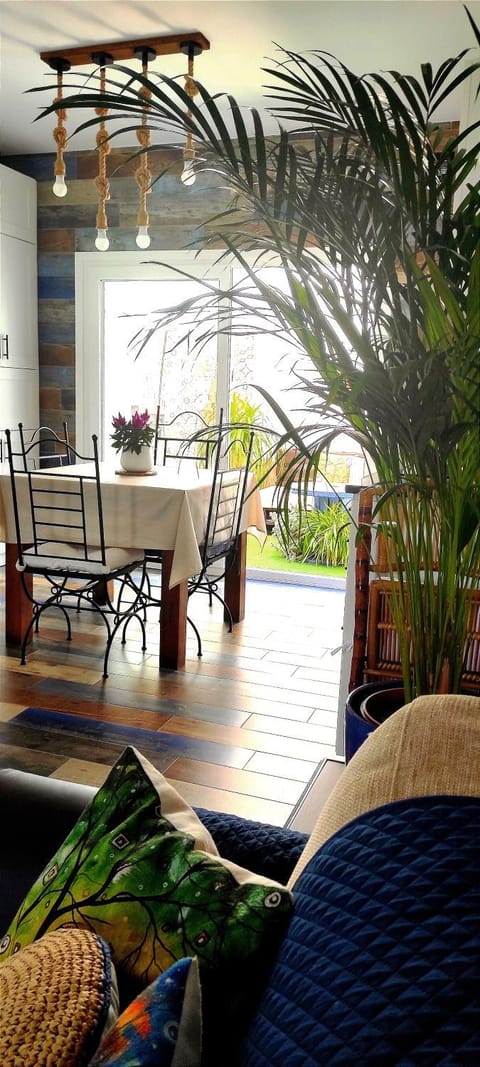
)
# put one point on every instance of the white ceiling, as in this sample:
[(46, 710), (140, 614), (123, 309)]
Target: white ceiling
[(365, 34)]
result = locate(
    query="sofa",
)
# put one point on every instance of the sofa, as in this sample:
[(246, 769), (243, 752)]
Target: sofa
[(378, 959)]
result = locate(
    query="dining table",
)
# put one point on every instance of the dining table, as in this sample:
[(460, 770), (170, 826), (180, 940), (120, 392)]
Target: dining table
[(164, 511)]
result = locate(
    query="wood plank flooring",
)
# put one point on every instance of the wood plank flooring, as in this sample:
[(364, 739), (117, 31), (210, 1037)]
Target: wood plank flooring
[(243, 730)]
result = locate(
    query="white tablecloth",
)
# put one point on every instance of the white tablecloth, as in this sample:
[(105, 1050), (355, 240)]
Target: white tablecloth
[(167, 510)]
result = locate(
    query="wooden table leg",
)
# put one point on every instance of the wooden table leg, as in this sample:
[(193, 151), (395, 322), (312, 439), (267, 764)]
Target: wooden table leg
[(173, 619), (235, 580), (18, 609), (104, 592)]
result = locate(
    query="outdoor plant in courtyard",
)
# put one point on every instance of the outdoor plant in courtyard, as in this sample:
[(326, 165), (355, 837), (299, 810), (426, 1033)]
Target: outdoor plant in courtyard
[(373, 214), (314, 535)]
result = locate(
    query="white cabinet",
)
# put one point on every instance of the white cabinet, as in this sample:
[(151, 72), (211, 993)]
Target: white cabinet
[(19, 393), (18, 298), (18, 401), (19, 346), (18, 205)]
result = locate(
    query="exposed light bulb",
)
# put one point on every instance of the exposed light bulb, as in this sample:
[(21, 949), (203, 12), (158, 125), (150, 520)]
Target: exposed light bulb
[(60, 186), (143, 237), (188, 176), (101, 241)]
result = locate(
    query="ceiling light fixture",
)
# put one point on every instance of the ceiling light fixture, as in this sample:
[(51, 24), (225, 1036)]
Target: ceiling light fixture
[(143, 176), (60, 65), (103, 145), (148, 49)]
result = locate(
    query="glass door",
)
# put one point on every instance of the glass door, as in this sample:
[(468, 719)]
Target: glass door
[(115, 295), (169, 372)]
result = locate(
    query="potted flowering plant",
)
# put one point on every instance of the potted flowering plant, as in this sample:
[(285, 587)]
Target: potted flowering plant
[(133, 438)]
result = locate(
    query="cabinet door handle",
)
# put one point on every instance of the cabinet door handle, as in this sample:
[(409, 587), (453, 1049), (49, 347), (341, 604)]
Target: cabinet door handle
[(4, 354)]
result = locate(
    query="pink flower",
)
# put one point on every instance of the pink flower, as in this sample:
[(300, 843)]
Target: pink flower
[(139, 421), (118, 420)]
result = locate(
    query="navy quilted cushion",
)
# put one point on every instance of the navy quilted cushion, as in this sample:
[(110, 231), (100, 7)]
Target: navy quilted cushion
[(269, 850), (381, 961)]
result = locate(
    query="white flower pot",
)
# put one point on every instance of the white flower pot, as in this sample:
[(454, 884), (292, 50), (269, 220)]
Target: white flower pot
[(137, 463)]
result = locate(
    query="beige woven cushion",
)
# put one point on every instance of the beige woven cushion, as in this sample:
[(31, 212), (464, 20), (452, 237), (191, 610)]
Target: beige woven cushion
[(56, 998), (431, 746)]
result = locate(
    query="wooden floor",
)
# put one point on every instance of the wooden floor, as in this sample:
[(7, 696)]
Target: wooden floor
[(244, 730)]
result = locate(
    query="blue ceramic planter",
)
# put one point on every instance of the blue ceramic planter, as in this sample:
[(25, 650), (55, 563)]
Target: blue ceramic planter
[(357, 729)]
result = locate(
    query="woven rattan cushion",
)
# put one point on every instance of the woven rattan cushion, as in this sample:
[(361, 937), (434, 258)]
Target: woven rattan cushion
[(429, 747), (55, 999)]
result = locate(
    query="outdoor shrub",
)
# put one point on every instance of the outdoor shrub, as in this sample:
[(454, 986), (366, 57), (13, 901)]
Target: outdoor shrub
[(309, 535)]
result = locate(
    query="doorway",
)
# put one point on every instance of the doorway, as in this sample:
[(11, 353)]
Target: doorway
[(109, 378)]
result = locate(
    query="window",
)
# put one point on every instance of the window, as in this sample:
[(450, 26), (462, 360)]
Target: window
[(115, 296)]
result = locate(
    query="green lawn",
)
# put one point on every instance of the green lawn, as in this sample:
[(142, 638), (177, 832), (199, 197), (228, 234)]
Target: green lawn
[(270, 559)]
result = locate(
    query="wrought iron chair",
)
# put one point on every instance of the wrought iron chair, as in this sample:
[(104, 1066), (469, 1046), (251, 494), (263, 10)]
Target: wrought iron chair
[(227, 499), (187, 437), (49, 448), (199, 447), (59, 514)]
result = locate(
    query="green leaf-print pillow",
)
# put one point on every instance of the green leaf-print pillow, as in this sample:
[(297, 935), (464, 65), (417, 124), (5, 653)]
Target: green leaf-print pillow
[(141, 870)]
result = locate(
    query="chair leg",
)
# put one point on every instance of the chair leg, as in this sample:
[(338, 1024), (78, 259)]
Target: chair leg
[(114, 630), (210, 588), (142, 626), (135, 610), (34, 623), (197, 634), (226, 609)]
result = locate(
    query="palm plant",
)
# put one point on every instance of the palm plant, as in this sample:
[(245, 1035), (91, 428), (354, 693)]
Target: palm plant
[(374, 218)]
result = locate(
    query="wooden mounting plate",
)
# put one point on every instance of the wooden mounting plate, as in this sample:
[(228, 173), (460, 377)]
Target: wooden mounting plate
[(168, 44)]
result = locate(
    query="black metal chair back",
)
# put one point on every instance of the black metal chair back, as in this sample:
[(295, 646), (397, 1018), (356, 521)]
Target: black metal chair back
[(187, 437), (43, 446), (45, 440), (57, 512), (227, 499)]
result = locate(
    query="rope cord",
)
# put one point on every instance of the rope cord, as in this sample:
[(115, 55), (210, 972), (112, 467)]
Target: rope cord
[(143, 175), (191, 90), (103, 146), (60, 133)]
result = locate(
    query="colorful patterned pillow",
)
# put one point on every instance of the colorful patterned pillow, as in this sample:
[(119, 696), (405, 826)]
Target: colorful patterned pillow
[(161, 1027), (141, 870), (57, 996)]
